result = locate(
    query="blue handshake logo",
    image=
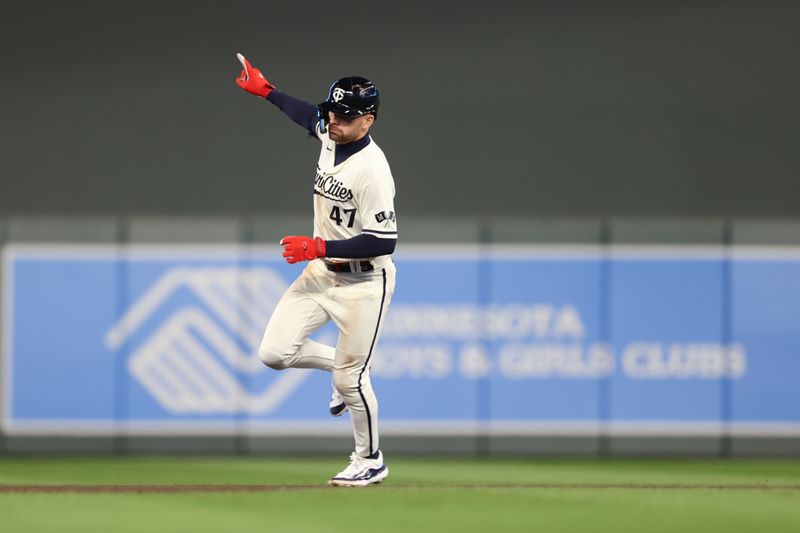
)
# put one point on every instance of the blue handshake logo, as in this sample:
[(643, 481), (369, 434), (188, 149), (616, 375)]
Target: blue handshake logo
[(190, 360)]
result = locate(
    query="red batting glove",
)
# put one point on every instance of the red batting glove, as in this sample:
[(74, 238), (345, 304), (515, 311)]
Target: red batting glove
[(297, 249), (251, 79)]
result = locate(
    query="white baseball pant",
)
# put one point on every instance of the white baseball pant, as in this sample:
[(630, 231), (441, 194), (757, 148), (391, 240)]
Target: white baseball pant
[(357, 304)]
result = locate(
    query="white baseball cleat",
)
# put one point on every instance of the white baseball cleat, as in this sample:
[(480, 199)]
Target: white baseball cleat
[(337, 406), (361, 472)]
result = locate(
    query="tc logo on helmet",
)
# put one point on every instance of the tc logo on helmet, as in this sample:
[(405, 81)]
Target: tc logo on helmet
[(338, 94)]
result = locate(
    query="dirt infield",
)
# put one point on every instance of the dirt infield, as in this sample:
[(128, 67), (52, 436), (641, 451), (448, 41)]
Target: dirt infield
[(184, 489)]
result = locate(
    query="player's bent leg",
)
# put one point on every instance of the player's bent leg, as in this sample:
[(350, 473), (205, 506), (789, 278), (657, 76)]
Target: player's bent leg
[(311, 354), (273, 356), (286, 344)]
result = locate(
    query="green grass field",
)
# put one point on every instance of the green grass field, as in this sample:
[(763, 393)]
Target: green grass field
[(289, 494)]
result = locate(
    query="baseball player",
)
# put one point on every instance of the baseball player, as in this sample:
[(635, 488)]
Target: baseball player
[(350, 275)]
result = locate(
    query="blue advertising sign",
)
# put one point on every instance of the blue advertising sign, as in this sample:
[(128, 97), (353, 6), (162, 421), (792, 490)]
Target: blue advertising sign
[(517, 340)]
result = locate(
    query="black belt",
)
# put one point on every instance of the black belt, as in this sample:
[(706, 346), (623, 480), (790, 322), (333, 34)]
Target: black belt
[(365, 266)]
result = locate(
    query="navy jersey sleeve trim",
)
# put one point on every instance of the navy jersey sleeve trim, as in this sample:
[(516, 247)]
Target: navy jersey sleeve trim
[(300, 111), (360, 246), (378, 232)]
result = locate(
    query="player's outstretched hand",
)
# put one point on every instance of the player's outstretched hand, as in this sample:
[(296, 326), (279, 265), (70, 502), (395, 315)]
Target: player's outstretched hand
[(251, 79), (297, 249)]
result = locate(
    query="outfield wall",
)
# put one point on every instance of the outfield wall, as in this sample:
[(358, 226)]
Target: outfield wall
[(505, 336), (547, 107)]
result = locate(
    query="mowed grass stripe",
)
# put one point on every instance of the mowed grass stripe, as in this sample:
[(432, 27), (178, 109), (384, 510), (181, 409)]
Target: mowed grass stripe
[(214, 494)]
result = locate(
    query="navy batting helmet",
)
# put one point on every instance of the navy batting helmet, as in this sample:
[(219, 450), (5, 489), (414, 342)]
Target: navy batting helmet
[(351, 97)]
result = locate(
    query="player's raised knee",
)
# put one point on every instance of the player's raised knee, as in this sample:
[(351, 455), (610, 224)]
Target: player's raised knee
[(273, 357)]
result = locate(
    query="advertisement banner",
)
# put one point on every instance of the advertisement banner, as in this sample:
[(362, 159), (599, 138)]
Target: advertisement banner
[(520, 340)]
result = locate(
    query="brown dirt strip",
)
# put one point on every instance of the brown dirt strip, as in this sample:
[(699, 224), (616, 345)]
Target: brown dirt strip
[(183, 489), (155, 489)]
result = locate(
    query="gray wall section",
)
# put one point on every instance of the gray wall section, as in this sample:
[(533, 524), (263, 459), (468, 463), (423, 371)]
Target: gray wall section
[(558, 107)]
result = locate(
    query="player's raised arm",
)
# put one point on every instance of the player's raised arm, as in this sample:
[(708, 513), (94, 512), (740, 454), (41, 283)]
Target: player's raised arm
[(253, 81)]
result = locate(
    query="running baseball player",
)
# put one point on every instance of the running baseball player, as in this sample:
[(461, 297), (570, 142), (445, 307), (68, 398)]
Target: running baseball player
[(350, 275)]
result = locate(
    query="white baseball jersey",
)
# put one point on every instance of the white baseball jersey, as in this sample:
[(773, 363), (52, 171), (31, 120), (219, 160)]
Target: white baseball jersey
[(354, 197)]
